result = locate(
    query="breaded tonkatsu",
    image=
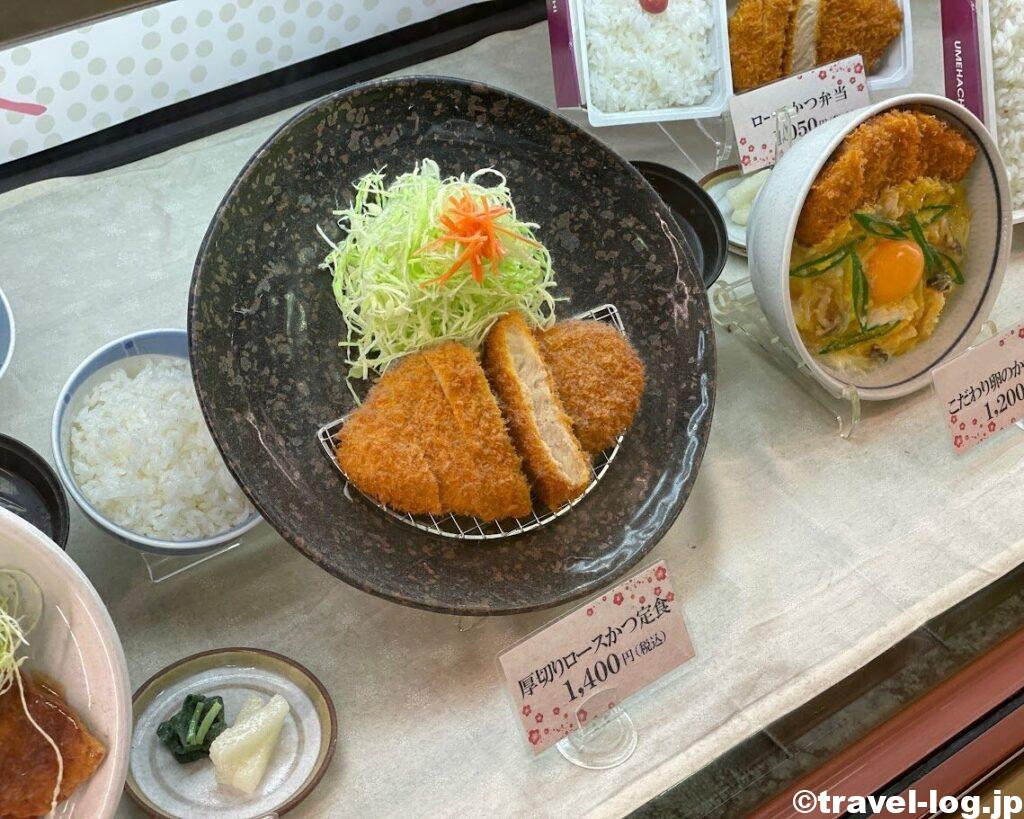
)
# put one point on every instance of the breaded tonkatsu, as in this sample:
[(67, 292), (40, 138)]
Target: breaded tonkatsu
[(599, 378), (759, 41), (890, 148), (554, 459), (770, 39), (430, 439), (28, 765)]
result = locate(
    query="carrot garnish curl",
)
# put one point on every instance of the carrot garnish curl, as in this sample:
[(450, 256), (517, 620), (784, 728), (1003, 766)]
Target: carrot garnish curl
[(473, 228)]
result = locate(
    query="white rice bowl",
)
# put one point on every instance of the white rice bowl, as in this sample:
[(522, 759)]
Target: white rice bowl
[(142, 455), (1007, 18), (640, 61)]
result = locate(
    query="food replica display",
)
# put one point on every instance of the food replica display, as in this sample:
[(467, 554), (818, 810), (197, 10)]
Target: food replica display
[(444, 378), (770, 39), (881, 239), (176, 487), (64, 693), (428, 270), (879, 243), (241, 751), (629, 45), (487, 343)]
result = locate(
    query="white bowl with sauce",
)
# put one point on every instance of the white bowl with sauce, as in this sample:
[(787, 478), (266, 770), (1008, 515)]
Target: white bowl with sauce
[(75, 648)]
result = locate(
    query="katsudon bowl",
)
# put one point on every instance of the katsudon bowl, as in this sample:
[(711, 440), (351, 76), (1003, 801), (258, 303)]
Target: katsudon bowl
[(770, 243), (264, 333)]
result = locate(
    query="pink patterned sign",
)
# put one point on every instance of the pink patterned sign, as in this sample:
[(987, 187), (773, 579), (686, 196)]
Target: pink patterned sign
[(982, 391), (811, 97), (580, 666)]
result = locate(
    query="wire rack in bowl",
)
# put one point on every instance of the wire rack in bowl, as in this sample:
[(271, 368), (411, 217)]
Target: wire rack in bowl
[(462, 527)]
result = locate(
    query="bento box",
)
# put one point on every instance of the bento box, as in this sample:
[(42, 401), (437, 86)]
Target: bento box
[(575, 85), (574, 82), (973, 52)]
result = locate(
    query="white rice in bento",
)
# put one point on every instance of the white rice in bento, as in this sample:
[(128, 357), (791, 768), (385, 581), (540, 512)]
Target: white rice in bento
[(1008, 65), (142, 455), (638, 61)]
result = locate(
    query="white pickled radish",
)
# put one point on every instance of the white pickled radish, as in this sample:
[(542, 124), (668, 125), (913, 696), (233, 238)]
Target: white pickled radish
[(242, 752), (223, 768), (249, 775), (249, 709)]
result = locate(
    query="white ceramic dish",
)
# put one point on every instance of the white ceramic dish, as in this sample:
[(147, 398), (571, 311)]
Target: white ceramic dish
[(717, 184), (75, 645), (6, 334), (127, 353), (166, 788), (714, 105), (770, 242)]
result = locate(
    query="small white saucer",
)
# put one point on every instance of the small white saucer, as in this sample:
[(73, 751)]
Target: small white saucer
[(717, 184), (165, 788)]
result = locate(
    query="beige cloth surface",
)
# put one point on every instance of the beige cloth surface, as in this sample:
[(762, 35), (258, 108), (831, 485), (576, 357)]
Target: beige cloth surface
[(799, 556)]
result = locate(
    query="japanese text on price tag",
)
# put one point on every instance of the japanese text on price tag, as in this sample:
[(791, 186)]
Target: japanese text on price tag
[(580, 666), (813, 98), (982, 391)]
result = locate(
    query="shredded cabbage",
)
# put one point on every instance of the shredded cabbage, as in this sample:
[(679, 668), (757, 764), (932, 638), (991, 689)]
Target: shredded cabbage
[(385, 289)]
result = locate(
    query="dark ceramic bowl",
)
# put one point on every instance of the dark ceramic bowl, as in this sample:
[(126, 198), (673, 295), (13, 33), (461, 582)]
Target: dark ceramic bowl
[(696, 213), (264, 333), (31, 489)]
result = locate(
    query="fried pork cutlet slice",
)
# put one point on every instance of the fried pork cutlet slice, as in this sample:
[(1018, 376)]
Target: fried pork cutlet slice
[(848, 27), (485, 450), (430, 439), (554, 459), (378, 459), (599, 378), (894, 147), (768, 39), (759, 41), (28, 765)]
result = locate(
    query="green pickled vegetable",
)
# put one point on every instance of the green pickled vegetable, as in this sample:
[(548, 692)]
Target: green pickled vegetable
[(188, 733)]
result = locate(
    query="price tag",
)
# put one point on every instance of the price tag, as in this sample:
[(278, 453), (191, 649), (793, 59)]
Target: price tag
[(982, 391), (813, 98), (581, 665)]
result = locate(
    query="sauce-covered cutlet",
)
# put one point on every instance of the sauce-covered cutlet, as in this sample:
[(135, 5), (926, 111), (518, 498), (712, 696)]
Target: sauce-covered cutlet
[(28, 765)]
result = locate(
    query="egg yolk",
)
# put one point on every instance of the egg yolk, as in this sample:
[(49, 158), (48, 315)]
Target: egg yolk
[(893, 270)]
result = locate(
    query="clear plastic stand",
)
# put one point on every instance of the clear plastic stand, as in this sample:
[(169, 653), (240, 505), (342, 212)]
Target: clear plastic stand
[(605, 741), (737, 311), (164, 567)]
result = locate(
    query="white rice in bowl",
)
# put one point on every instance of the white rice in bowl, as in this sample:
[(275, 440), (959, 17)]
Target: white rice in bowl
[(142, 455), (638, 61), (1008, 66)]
